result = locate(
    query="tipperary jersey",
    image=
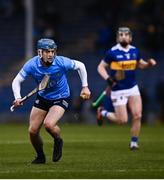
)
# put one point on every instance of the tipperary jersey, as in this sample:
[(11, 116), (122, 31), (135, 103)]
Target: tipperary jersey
[(58, 86), (123, 59)]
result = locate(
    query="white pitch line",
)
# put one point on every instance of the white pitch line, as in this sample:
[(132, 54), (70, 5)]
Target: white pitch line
[(82, 170)]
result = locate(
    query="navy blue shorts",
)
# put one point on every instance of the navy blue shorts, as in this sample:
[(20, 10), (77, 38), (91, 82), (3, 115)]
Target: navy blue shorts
[(45, 104)]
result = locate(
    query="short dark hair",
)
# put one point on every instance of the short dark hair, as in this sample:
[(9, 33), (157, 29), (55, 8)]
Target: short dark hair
[(124, 29)]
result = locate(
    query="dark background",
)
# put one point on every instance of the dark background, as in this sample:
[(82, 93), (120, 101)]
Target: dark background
[(83, 30)]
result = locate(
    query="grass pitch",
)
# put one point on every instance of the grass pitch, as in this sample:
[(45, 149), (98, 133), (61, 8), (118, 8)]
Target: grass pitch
[(89, 152)]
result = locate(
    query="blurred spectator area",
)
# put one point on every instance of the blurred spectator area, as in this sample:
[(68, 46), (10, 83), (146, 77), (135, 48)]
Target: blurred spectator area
[(83, 30), (12, 38)]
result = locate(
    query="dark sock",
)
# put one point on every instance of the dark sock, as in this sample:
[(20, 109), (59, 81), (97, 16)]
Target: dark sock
[(40, 153), (57, 138), (134, 139)]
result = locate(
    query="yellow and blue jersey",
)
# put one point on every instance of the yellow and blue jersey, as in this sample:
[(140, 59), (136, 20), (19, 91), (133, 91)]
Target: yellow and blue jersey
[(126, 60)]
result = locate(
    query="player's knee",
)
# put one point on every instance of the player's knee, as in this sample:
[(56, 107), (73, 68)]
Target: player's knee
[(122, 120), (48, 126), (33, 131), (137, 116), (52, 129)]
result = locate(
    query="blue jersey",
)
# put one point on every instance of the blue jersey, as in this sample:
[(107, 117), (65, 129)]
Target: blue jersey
[(119, 58), (58, 86)]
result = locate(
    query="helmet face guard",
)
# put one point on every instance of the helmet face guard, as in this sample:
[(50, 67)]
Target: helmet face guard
[(46, 44)]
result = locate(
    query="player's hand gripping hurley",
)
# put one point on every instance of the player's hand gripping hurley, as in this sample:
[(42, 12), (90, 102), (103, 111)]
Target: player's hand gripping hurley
[(120, 75), (43, 84)]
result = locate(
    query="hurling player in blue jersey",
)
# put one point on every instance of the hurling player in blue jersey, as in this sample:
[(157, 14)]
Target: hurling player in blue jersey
[(50, 103), (125, 58)]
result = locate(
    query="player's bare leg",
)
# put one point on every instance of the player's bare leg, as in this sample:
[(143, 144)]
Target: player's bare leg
[(54, 115), (36, 119), (120, 116), (135, 106)]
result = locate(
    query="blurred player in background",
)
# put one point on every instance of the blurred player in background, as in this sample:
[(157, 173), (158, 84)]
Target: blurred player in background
[(51, 103), (106, 104), (126, 58)]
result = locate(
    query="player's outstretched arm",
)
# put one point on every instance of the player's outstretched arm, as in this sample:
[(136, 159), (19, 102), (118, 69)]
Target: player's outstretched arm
[(80, 67), (146, 64)]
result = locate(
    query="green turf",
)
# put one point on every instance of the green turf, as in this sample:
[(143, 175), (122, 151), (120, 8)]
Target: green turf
[(89, 152)]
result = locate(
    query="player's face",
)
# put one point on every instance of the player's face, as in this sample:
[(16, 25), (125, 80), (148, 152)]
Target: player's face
[(124, 38), (48, 55)]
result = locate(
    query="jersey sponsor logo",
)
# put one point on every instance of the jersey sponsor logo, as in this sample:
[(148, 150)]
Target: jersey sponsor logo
[(119, 56), (124, 65)]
